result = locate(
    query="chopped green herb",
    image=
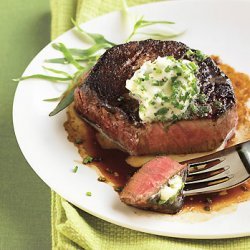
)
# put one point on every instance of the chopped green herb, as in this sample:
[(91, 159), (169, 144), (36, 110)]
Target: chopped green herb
[(200, 56), (161, 111), (141, 108), (101, 179), (75, 169), (207, 208), (202, 98), (165, 98), (158, 83), (78, 141), (158, 71), (167, 69), (218, 104), (178, 105), (87, 159), (161, 202), (189, 52), (173, 79), (175, 117), (88, 194), (118, 189), (203, 110), (193, 66)]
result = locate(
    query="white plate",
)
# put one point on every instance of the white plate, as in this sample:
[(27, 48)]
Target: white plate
[(215, 27)]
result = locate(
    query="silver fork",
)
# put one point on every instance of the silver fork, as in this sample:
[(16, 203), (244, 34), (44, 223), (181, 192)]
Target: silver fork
[(219, 171)]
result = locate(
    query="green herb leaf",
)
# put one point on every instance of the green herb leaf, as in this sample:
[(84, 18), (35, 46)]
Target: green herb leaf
[(44, 77), (58, 72), (88, 194), (83, 53), (87, 56), (161, 111), (61, 47), (161, 36), (96, 38), (118, 189), (87, 59), (66, 100), (124, 8), (55, 99), (101, 179), (141, 23), (57, 60), (161, 202), (75, 169), (87, 159)]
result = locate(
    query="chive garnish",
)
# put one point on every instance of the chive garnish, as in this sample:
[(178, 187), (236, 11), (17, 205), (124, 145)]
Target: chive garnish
[(101, 179), (75, 169), (88, 194), (87, 159), (207, 208), (118, 189)]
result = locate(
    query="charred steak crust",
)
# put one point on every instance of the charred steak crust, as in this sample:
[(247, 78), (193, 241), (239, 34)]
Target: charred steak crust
[(103, 100)]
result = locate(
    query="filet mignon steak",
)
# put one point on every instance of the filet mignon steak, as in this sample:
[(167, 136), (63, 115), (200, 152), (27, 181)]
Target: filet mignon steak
[(144, 188), (104, 102)]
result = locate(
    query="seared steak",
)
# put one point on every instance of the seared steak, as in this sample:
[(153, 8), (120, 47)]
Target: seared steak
[(143, 190), (103, 100)]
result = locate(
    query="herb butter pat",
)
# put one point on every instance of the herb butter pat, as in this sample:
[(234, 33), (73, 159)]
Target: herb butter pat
[(164, 88), (171, 190)]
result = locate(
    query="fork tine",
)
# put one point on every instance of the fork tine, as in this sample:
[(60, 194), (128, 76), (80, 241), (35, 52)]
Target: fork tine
[(208, 171), (215, 160), (204, 184), (195, 190), (208, 176), (205, 166), (212, 180), (217, 174)]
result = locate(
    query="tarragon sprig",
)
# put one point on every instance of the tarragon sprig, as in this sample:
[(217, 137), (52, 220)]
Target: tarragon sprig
[(142, 23), (84, 59)]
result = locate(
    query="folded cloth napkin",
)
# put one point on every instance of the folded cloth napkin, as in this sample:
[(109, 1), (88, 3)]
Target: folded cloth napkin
[(73, 228)]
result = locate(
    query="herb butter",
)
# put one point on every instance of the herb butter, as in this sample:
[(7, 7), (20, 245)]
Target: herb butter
[(172, 189), (164, 88)]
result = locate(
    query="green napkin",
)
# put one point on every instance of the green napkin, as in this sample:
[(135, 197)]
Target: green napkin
[(73, 228)]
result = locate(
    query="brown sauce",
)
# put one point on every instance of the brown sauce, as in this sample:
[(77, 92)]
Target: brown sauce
[(114, 169), (110, 162)]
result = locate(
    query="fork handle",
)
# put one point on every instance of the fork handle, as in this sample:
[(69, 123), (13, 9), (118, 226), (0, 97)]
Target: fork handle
[(244, 153)]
